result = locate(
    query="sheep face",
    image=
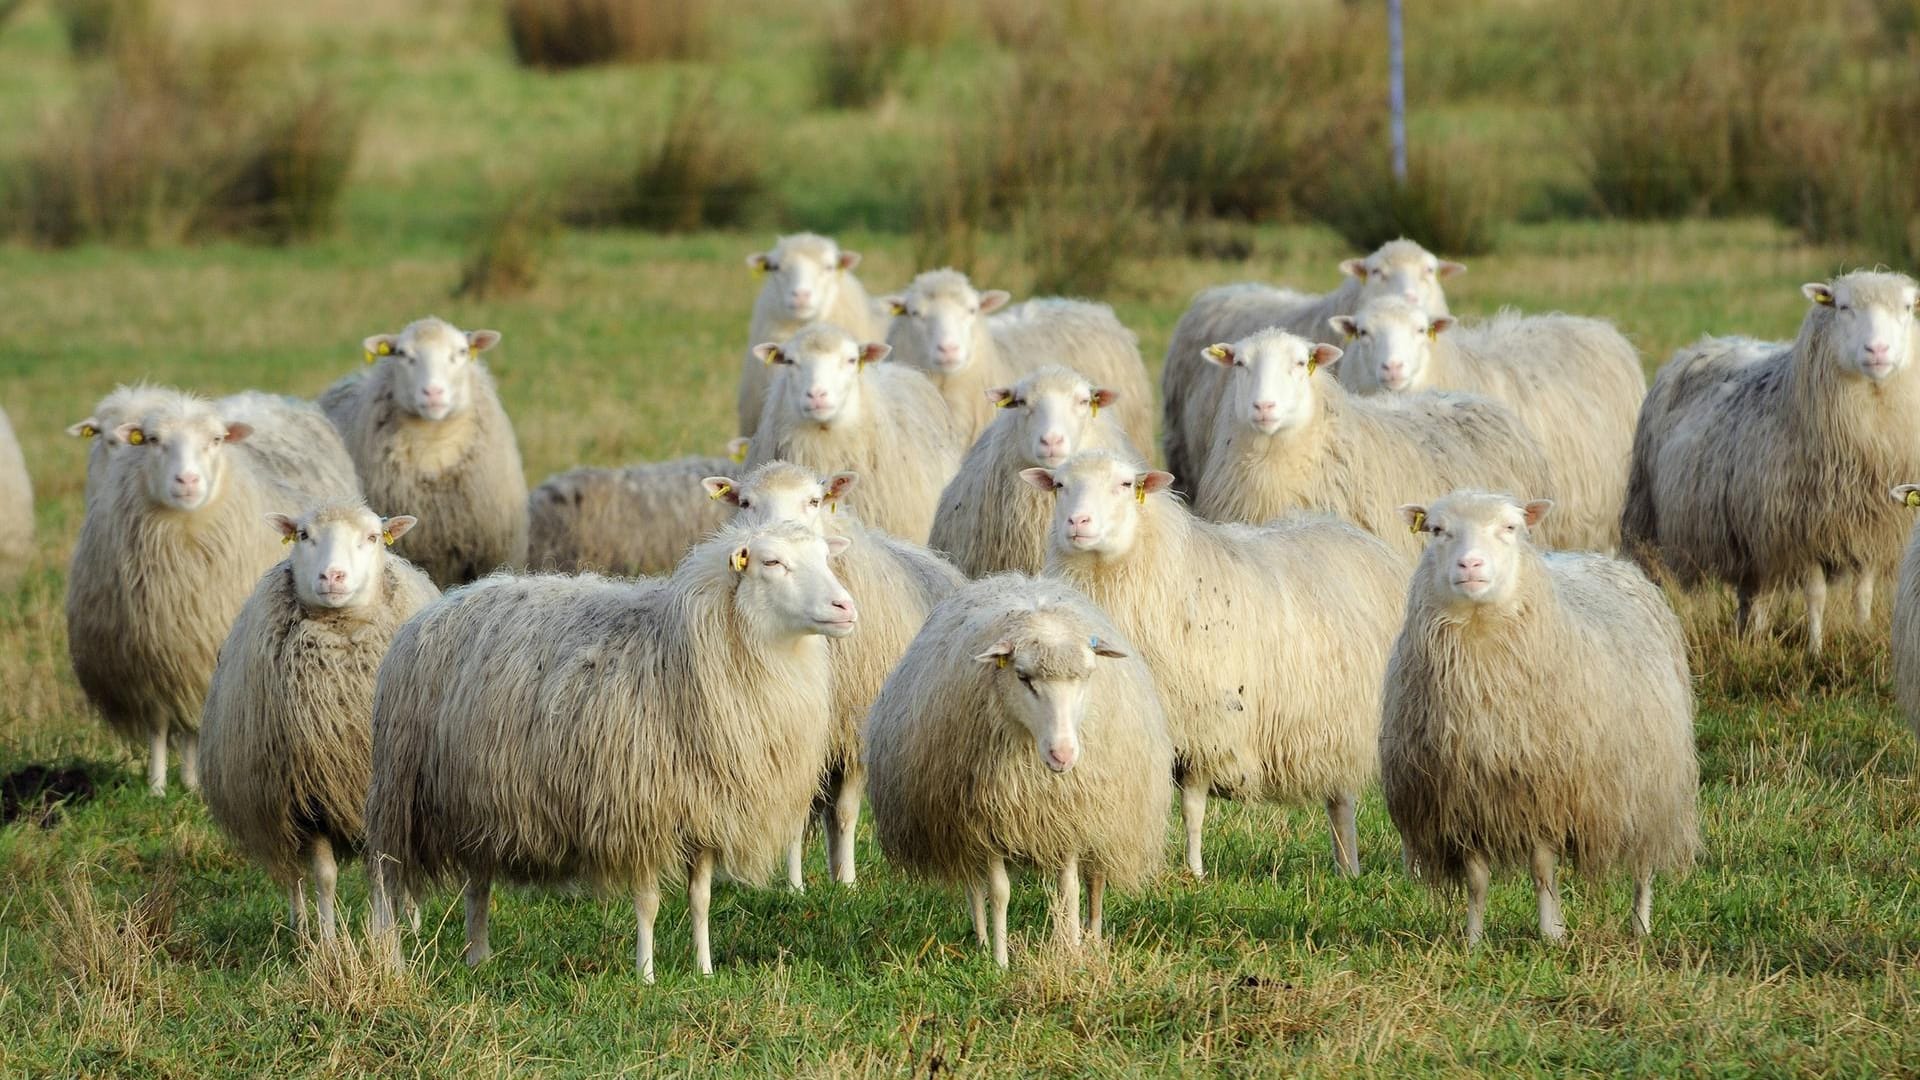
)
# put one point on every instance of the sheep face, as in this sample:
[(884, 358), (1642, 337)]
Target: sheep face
[(1871, 327), (1271, 373), (1476, 544), (1054, 409), (1097, 502), (822, 372), (787, 587), (431, 366), (1390, 343), (782, 491), (1039, 675), (182, 455), (802, 275), (1404, 269), (339, 554), (941, 310)]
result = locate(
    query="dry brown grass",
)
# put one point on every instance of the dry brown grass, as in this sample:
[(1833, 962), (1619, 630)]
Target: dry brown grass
[(510, 252), (556, 34), (701, 169)]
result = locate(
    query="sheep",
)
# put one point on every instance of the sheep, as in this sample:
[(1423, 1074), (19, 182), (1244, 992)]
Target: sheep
[(804, 279), (940, 327), (1759, 464), (634, 521), (1906, 619), (428, 434), (1537, 707), (16, 504), (1020, 727), (895, 584), (1574, 382), (1289, 439), (1268, 643), (988, 520), (607, 731), (285, 739), (170, 549), (835, 406), (1190, 388)]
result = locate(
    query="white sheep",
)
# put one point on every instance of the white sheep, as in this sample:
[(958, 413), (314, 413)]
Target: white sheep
[(169, 551), (1189, 387), (426, 430), (1268, 643), (989, 521), (1289, 437), (1537, 707), (285, 739), (16, 504), (607, 732), (639, 520), (1764, 464), (1020, 728), (941, 328), (894, 583), (805, 278), (1906, 619), (1574, 382), (835, 405)]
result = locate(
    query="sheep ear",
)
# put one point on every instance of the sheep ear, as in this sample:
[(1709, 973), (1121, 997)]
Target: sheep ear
[(1221, 354), (284, 525), (1346, 326), (1354, 268), (758, 262), (1102, 397), (397, 526), (1440, 324), (1415, 516), (84, 429), (1157, 480), (1322, 356), (1000, 396), (1907, 494), (377, 346), (875, 351), (482, 340), (1818, 292), (996, 653), (739, 560), (130, 434), (1447, 268), (1102, 648), (993, 300), (238, 432), (836, 545), (737, 448), (769, 353), (895, 305), (1040, 478), (840, 483), (722, 487), (1535, 510), (849, 260)]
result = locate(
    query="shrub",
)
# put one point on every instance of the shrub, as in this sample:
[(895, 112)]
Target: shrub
[(507, 258), (702, 172), (867, 43), (94, 27), (1446, 204), (557, 34)]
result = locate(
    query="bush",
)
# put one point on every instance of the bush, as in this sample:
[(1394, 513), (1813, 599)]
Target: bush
[(510, 251), (702, 172), (1851, 176), (94, 27), (1446, 205), (557, 34), (867, 43)]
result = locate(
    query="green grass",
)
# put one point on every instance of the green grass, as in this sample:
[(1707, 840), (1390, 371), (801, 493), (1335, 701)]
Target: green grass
[(133, 941)]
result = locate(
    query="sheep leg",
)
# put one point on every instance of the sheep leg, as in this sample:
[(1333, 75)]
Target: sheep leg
[(326, 878), (1863, 599), (1552, 926), (1478, 878), (297, 906), (1096, 900), (157, 762), (1816, 593), (1752, 618), (846, 821), (479, 893), (1066, 910), (1001, 890), (1193, 812), (1346, 833), (646, 907), (699, 901), (977, 901), (1642, 902), (796, 860), (190, 760)]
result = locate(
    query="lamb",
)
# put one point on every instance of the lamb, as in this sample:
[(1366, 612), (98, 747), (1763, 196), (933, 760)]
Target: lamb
[(805, 279), (1268, 643), (1289, 439), (1537, 707), (1760, 464), (1906, 619), (169, 551), (429, 436), (634, 521), (893, 582), (1574, 382), (1020, 727), (989, 521), (607, 732), (940, 327), (835, 406), (16, 504), (1190, 388), (285, 739)]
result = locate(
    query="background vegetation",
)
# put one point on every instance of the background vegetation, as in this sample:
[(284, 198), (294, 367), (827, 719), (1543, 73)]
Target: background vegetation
[(221, 195)]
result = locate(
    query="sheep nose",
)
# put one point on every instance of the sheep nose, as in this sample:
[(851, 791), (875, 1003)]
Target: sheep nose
[(187, 479), (1410, 296), (816, 396), (801, 297), (1472, 562), (1265, 409), (1393, 371), (1077, 520), (434, 394), (1053, 442), (333, 575), (844, 604), (1062, 755), (1879, 350), (949, 348)]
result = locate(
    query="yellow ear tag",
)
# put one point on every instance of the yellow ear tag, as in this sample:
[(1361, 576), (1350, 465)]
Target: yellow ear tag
[(136, 437), (1419, 521), (897, 308), (1433, 333), (1214, 352), (1093, 409), (1002, 662), (739, 561), (1312, 366), (387, 535), (1004, 403), (1140, 493), (833, 506), (739, 453), (759, 271), (773, 357), (1349, 335), (1913, 498), (88, 431), (288, 539), (1825, 299), (720, 492)]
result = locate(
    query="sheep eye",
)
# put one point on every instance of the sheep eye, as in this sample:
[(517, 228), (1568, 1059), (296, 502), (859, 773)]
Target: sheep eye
[(744, 503), (373, 537), (770, 266), (303, 535), (770, 562), (813, 502)]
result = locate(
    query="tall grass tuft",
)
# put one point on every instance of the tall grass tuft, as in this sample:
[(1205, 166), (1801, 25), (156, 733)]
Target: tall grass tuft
[(97, 27), (556, 34), (1446, 203), (868, 41), (110, 957), (702, 171), (510, 252)]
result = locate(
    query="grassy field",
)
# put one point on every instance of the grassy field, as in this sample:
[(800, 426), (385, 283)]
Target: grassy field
[(134, 942)]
